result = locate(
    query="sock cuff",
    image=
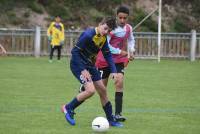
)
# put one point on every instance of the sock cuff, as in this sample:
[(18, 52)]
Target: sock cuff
[(107, 104), (119, 94), (74, 103)]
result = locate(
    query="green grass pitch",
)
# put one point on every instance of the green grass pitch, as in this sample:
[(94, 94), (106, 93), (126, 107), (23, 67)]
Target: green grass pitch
[(159, 98)]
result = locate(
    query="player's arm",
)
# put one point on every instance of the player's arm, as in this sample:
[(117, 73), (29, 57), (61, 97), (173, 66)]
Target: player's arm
[(108, 57), (49, 31), (114, 50), (3, 49), (62, 38), (131, 46)]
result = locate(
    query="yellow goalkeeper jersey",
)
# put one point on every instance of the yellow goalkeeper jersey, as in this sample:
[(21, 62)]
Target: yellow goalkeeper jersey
[(56, 33)]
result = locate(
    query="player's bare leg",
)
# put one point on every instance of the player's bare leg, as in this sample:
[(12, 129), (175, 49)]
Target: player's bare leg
[(102, 91), (68, 109)]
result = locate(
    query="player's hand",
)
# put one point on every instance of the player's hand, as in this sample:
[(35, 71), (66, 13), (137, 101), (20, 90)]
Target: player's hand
[(113, 76), (49, 38), (86, 75), (132, 56), (3, 51), (123, 53)]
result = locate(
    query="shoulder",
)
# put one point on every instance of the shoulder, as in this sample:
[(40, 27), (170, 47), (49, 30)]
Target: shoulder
[(61, 24), (89, 32), (52, 23), (129, 29), (86, 35)]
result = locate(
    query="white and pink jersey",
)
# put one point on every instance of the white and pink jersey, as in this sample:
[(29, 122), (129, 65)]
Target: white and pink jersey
[(118, 39)]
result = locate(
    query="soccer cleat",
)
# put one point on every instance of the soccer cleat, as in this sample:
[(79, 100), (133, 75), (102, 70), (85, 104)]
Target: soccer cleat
[(119, 117), (115, 124), (69, 115)]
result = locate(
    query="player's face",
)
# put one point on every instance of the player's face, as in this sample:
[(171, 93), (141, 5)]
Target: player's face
[(57, 19), (103, 29), (122, 19)]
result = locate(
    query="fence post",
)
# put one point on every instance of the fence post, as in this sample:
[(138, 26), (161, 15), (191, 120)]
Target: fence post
[(71, 42), (37, 42), (193, 45)]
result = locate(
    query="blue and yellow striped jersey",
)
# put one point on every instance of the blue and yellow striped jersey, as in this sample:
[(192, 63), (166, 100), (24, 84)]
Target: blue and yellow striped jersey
[(88, 46)]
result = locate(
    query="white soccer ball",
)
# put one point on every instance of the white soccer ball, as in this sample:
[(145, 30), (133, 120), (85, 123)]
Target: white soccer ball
[(100, 124)]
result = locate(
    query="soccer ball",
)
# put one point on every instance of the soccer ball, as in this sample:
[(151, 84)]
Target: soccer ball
[(100, 124)]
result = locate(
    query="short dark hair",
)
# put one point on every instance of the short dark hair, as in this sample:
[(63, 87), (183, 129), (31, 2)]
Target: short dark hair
[(123, 9), (58, 16), (110, 21)]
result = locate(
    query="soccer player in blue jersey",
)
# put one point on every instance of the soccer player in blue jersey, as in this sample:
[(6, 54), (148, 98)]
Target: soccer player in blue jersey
[(82, 65)]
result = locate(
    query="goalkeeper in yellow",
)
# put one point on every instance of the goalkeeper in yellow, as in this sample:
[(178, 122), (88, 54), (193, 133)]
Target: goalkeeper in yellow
[(56, 36)]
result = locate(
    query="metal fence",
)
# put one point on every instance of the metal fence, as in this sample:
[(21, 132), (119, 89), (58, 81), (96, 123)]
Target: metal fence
[(34, 42)]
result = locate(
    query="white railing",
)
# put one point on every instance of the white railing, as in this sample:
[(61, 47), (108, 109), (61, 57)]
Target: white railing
[(34, 42)]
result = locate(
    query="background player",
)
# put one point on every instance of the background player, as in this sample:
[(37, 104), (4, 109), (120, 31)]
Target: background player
[(56, 36)]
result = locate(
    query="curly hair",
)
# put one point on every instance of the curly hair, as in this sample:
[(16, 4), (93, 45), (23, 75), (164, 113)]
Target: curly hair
[(110, 21)]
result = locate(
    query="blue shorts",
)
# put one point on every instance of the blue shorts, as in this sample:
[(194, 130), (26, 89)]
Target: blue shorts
[(76, 70)]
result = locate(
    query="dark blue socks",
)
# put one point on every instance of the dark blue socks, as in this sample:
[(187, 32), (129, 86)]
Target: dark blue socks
[(73, 104), (108, 111)]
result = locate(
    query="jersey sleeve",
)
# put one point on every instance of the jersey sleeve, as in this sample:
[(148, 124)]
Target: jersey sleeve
[(113, 50), (49, 30), (131, 41), (62, 33)]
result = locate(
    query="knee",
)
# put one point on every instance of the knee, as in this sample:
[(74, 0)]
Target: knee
[(90, 92), (119, 83)]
